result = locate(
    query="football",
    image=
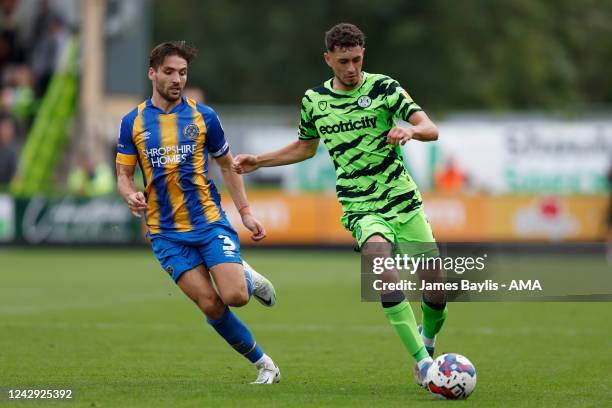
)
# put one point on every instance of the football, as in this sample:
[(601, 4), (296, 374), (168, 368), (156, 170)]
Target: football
[(451, 376)]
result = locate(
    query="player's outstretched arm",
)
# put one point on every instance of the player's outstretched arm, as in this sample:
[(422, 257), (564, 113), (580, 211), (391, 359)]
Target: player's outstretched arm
[(125, 184), (297, 151), (422, 129), (235, 186)]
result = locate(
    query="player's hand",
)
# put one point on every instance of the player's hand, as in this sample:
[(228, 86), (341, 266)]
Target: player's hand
[(253, 225), (399, 135), (137, 203), (245, 163)]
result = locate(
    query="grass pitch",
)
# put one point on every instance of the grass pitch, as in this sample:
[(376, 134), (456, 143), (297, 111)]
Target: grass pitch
[(113, 327)]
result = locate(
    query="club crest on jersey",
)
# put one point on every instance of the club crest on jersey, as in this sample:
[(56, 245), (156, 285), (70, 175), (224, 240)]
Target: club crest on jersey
[(364, 101), (322, 105), (191, 131)]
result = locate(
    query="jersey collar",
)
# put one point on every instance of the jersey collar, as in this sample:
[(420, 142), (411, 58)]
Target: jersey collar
[(176, 109)]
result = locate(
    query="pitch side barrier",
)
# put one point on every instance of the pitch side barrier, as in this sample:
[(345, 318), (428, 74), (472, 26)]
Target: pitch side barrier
[(103, 221), (67, 221)]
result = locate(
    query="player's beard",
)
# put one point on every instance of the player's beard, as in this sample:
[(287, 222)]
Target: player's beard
[(355, 81), (350, 85), (167, 96)]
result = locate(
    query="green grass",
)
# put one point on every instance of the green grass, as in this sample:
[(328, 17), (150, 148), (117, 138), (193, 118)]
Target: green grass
[(113, 327)]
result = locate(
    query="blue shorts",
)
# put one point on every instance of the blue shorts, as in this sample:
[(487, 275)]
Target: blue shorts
[(179, 252)]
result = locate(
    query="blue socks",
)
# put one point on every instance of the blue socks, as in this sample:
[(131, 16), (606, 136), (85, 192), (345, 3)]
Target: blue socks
[(237, 334)]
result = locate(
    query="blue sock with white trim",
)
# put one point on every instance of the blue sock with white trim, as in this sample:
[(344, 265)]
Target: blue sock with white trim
[(237, 335)]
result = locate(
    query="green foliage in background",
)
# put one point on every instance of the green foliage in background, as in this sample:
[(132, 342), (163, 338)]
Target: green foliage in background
[(48, 136), (473, 54)]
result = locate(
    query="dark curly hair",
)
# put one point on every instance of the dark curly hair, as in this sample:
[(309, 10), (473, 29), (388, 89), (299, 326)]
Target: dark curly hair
[(168, 48), (344, 35)]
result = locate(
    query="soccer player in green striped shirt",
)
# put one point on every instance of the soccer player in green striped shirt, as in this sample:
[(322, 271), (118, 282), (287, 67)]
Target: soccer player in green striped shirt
[(355, 114)]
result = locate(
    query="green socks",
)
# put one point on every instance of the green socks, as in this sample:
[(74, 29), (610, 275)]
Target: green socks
[(432, 320), (402, 319)]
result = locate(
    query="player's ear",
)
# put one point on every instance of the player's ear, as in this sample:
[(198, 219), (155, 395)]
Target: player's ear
[(327, 58), (151, 73)]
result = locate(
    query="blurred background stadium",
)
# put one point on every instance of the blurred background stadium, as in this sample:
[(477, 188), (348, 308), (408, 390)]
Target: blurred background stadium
[(521, 92)]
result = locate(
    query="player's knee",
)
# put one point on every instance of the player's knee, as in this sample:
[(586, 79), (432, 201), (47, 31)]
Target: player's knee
[(236, 298), (211, 305), (214, 311), (378, 239), (376, 247)]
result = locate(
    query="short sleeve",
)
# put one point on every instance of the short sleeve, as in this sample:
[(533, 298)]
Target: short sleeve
[(215, 136), (126, 151), (399, 101), (307, 129)]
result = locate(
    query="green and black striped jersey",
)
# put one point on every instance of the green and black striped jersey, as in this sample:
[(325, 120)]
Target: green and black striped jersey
[(370, 174)]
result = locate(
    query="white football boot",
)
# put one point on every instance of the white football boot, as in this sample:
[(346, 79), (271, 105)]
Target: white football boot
[(421, 373), (262, 288), (268, 372)]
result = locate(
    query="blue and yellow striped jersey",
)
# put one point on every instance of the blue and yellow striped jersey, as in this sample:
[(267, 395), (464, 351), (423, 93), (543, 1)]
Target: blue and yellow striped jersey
[(172, 150)]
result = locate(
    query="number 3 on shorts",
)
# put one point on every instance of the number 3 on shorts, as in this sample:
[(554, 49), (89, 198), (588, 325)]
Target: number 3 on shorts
[(228, 244)]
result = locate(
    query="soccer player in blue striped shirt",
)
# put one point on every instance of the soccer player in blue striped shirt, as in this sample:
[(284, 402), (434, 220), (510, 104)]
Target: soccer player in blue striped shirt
[(170, 137)]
